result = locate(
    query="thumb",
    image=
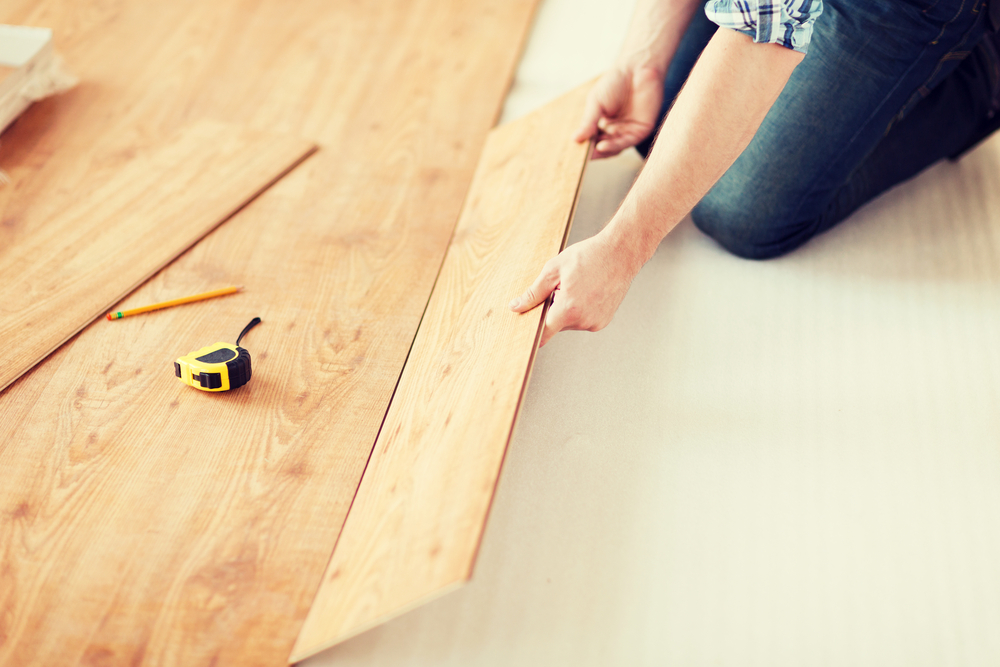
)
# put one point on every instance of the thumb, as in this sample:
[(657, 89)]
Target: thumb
[(588, 124), (539, 291)]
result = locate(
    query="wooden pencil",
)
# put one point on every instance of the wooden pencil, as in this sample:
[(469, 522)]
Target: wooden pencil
[(175, 302)]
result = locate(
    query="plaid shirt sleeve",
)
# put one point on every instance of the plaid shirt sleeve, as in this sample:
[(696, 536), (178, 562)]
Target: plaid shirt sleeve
[(785, 22)]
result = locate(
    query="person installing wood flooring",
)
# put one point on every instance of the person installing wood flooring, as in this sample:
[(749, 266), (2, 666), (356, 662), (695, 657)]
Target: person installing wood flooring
[(780, 125)]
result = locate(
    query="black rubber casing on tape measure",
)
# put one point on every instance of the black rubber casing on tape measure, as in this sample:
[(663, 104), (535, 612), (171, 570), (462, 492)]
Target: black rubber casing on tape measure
[(238, 368), (218, 367), (195, 367)]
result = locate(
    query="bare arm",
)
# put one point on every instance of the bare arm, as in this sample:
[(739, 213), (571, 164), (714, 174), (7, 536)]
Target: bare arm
[(624, 105), (731, 89), (729, 92)]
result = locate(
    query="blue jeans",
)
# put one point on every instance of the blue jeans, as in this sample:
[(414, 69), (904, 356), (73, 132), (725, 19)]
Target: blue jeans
[(888, 88)]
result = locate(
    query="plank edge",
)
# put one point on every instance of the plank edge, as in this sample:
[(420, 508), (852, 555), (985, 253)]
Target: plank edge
[(300, 651), (529, 369)]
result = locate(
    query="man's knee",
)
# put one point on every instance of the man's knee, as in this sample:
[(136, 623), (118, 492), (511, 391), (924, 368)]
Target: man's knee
[(748, 227)]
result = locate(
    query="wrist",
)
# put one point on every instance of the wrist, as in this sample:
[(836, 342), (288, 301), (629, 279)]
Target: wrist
[(628, 243), (635, 62), (635, 232), (655, 31)]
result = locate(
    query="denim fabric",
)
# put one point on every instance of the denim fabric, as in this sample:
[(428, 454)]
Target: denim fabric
[(886, 89)]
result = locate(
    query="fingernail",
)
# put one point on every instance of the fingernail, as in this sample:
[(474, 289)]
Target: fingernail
[(514, 303)]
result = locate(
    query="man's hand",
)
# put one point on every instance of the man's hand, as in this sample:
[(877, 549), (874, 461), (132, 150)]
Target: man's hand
[(588, 281), (622, 109)]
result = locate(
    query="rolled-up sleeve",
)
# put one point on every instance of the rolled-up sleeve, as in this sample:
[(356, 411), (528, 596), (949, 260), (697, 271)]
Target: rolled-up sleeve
[(785, 22)]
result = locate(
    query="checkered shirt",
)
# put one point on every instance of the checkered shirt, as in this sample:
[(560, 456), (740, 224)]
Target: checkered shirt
[(785, 22)]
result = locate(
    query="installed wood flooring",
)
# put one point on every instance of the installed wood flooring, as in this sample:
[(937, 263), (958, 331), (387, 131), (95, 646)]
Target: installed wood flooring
[(144, 522), (118, 233), (415, 525)]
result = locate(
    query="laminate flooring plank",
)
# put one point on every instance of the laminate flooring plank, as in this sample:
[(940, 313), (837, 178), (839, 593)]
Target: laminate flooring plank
[(143, 522), (415, 525), (120, 232)]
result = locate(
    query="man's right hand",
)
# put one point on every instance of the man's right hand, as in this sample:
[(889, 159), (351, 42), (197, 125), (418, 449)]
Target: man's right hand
[(590, 280), (622, 109)]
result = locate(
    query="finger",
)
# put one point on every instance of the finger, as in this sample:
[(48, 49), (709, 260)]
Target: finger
[(624, 135), (553, 322), (591, 116), (625, 128), (606, 148), (610, 127), (598, 155), (547, 334), (557, 319), (609, 146), (539, 290)]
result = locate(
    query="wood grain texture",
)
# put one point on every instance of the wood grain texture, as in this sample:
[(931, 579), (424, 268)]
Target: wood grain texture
[(120, 232), (143, 522), (415, 525)]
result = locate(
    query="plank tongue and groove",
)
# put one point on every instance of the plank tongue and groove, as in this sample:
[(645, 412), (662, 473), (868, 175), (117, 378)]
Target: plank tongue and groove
[(415, 525), (143, 522), (121, 231)]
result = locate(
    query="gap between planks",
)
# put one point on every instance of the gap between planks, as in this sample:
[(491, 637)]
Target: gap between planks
[(113, 238), (144, 522)]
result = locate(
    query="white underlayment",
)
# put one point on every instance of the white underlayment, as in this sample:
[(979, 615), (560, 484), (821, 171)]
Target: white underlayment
[(788, 463)]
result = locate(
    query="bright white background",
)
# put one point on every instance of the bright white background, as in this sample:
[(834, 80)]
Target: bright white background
[(788, 463)]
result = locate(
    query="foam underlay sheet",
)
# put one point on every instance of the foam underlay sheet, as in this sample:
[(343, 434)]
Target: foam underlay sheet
[(786, 463)]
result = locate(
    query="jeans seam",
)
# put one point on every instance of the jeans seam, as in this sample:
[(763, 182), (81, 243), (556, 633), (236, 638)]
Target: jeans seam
[(924, 89), (944, 26)]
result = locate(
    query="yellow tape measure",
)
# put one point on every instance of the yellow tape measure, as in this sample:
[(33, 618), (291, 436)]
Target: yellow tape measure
[(218, 367)]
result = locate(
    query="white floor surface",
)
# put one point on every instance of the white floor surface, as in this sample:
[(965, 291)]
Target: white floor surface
[(784, 463)]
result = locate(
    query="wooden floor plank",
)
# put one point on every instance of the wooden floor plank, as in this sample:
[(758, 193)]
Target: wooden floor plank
[(143, 522), (415, 525), (120, 232)]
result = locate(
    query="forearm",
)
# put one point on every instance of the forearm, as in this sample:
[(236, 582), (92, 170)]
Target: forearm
[(726, 97), (655, 31), (730, 90)]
